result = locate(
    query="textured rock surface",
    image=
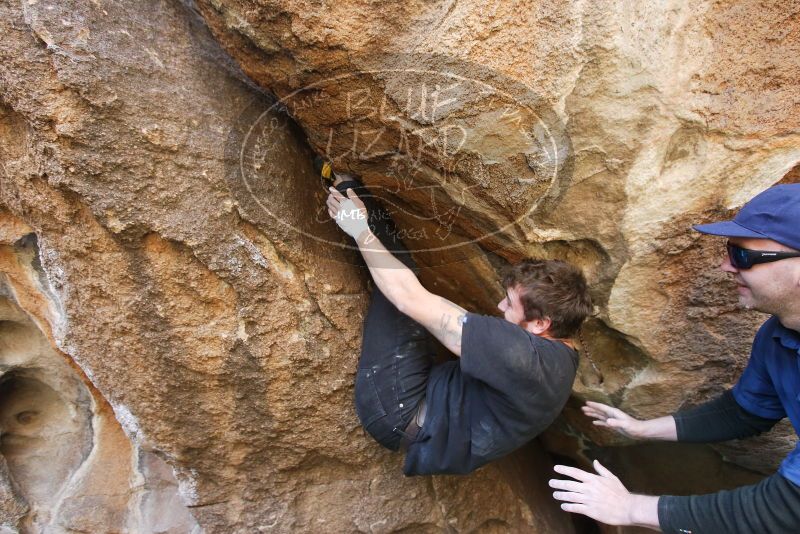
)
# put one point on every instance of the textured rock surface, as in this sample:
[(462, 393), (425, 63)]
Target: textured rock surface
[(182, 269), (66, 462), (223, 342), (660, 115)]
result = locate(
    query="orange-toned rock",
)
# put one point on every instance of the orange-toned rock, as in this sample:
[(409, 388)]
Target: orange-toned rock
[(172, 294), (166, 246), (594, 132), (67, 464)]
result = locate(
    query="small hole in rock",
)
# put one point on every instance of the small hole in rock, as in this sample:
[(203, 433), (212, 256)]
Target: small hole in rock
[(26, 417)]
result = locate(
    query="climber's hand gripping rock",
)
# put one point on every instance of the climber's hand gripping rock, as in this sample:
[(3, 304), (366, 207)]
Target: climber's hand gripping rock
[(349, 213)]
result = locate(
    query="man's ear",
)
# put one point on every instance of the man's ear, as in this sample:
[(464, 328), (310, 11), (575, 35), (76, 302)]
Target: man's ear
[(540, 326)]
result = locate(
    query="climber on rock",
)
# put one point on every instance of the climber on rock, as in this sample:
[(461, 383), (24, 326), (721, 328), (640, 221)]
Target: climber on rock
[(514, 374), (763, 257)]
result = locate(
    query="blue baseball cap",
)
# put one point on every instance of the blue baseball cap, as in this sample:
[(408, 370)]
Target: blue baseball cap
[(773, 214)]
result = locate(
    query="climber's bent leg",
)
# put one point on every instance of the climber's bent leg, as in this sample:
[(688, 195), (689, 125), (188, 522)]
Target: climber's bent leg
[(396, 359), (396, 353)]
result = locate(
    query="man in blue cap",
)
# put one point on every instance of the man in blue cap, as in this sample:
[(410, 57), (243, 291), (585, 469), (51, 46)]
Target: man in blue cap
[(764, 260)]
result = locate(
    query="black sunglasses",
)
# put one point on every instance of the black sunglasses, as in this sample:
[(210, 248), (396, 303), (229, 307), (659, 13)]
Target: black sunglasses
[(743, 258)]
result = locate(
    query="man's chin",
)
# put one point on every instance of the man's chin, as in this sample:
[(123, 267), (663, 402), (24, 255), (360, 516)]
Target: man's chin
[(745, 296), (747, 302)]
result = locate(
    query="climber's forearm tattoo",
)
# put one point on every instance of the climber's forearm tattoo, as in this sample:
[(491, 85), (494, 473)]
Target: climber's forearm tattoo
[(450, 325)]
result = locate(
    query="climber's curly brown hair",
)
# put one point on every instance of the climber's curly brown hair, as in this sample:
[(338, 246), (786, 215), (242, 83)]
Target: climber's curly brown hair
[(554, 289)]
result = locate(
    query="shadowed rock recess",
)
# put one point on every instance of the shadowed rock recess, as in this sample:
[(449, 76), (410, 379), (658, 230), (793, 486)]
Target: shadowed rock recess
[(66, 462), (180, 323)]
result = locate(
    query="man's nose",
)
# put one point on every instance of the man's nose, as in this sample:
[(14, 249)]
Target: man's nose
[(726, 265)]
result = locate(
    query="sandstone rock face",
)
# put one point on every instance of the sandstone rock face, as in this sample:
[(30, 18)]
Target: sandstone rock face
[(176, 357), (180, 326), (597, 132), (66, 462)]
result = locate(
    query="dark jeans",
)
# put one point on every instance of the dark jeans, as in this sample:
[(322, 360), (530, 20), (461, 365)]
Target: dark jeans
[(396, 352)]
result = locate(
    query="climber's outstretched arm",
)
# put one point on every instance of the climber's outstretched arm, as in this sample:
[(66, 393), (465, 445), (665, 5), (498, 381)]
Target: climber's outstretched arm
[(397, 282)]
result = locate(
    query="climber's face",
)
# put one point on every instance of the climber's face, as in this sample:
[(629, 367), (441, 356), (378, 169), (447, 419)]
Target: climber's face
[(511, 306), (768, 287), (514, 312)]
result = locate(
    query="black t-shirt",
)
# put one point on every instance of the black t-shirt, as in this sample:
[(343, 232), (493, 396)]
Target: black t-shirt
[(507, 387)]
